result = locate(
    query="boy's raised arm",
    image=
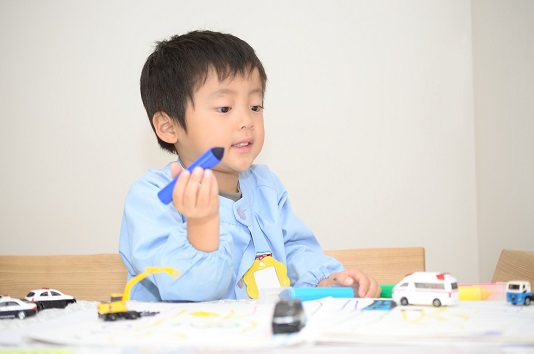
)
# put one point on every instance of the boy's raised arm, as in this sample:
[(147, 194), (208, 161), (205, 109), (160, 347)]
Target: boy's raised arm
[(196, 196), (155, 234)]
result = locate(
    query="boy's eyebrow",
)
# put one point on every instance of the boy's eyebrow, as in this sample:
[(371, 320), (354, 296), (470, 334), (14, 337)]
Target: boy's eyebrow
[(222, 92), (225, 91)]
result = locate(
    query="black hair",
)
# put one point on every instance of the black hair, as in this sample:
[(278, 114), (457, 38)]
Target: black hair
[(180, 65)]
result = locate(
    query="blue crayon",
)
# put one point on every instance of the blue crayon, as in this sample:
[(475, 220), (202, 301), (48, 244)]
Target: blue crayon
[(209, 159), (305, 294)]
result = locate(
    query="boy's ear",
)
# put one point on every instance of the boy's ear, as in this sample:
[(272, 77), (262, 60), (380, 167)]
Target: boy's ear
[(165, 127)]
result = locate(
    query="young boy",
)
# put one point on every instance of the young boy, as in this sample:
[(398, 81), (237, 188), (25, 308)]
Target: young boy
[(202, 90)]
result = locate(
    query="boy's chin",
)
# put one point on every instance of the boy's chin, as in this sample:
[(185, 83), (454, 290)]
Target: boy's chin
[(242, 167), (230, 170)]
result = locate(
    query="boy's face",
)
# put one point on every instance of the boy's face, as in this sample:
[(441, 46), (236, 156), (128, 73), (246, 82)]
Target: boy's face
[(226, 114)]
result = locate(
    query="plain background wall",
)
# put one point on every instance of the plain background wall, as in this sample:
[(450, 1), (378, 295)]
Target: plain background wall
[(503, 62), (370, 119)]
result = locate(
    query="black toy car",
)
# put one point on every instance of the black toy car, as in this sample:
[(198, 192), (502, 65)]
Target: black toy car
[(289, 316)]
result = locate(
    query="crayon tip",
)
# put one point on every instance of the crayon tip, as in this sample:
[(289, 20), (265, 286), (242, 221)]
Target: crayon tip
[(218, 152)]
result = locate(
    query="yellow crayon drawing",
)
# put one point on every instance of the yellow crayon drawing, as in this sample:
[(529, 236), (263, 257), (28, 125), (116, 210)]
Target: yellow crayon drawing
[(204, 314)]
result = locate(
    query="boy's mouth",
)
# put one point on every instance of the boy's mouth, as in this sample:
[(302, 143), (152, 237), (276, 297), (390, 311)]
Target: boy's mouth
[(242, 144)]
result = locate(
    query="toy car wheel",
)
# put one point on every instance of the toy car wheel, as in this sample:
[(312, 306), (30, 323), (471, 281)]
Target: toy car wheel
[(133, 316), (21, 315), (436, 303), (404, 301), (527, 301), (112, 317)]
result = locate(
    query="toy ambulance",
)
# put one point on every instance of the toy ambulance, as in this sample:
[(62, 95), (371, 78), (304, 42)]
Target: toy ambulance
[(519, 292), (426, 288)]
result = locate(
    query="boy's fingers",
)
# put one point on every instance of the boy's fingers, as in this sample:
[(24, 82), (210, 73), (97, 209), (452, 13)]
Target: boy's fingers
[(374, 290), (378, 290), (363, 288), (175, 169), (367, 286), (205, 194), (179, 187), (192, 187), (344, 279), (340, 278)]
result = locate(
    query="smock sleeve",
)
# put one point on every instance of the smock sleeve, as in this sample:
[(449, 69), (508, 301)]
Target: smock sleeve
[(155, 234), (306, 262)]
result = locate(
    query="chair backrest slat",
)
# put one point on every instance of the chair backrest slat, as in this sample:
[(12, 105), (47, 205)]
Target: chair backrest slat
[(95, 277), (515, 265), (86, 277), (386, 265)]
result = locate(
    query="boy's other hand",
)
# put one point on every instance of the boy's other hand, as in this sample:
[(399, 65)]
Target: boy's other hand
[(367, 286)]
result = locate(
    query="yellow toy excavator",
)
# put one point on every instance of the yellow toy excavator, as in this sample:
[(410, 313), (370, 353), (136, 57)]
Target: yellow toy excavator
[(110, 311)]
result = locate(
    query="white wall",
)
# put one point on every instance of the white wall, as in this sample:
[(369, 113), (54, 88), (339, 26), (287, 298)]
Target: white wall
[(369, 118), (503, 42)]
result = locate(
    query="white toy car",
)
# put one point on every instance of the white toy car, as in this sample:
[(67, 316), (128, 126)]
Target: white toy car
[(426, 288), (50, 298), (16, 308)]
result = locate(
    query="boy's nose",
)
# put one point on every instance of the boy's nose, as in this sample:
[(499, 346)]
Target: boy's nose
[(247, 121)]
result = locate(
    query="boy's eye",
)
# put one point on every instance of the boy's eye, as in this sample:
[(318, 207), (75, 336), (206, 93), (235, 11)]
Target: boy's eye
[(223, 109), (256, 108)]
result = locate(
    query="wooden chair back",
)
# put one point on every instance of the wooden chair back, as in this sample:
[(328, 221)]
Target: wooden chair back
[(95, 277), (515, 265), (386, 265), (86, 277)]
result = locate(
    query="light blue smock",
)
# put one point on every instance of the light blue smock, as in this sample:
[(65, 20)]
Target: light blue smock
[(155, 234)]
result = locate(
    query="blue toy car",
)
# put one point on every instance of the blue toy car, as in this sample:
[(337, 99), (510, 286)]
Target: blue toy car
[(518, 292)]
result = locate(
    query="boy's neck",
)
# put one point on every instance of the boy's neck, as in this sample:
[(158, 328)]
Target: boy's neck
[(228, 183)]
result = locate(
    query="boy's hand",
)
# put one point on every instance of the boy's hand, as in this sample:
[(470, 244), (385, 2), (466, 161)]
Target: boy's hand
[(366, 285), (196, 195)]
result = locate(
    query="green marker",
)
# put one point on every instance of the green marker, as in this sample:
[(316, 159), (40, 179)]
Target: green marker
[(387, 291)]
